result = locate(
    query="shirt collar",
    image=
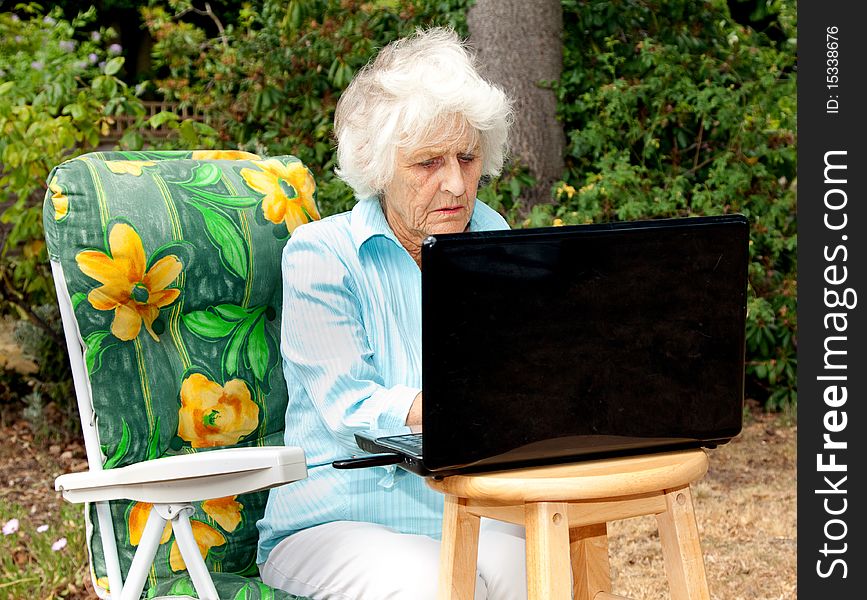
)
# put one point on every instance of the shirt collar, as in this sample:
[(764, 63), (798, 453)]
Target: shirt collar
[(368, 221)]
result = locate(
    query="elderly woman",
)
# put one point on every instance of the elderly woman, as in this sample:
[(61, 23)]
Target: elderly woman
[(416, 130)]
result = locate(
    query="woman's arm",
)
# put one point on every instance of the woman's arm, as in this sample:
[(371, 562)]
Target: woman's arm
[(325, 346), (414, 416)]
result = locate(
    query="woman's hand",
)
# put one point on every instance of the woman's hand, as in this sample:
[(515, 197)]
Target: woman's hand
[(414, 415)]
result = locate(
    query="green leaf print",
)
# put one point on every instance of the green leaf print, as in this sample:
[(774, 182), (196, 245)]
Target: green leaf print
[(232, 356), (204, 175), (77, 298), (183, 587), (257, 350), (208, 175), (121, 450), (226, 237), (233, 312), (265, 593), (243, 593), (248, 341), (154, 442), (95, 344), (227, 201), (207, 324), (155, 154)]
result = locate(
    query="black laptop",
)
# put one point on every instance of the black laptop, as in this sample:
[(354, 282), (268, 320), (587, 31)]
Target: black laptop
[(570, 343)]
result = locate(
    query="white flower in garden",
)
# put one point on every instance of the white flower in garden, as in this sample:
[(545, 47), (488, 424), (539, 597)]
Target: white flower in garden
[(42, 529), (67, 45), (95, 36), (59, 544), (114, 49), (10, 527)]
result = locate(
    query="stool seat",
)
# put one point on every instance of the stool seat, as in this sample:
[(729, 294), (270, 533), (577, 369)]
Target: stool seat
[(580, 481), (565, 510)]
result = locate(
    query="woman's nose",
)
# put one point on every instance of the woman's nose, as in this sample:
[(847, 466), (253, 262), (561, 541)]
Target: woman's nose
[(453, 180)]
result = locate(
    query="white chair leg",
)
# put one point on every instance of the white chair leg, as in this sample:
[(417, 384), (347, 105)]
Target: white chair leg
[(192, 557), (109, 546), (144, 557)]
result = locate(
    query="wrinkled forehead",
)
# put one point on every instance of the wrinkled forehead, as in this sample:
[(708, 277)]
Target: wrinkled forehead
[(447, 133)]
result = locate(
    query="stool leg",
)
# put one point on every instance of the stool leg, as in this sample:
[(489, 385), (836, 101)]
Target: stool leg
[(591, 571), (548, 569), (458, 551), (678, 532)]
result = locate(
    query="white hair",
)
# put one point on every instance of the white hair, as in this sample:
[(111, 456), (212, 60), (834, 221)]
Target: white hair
[(416, 92)]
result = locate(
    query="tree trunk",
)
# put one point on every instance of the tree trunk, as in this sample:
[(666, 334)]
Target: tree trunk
[(520, 48)]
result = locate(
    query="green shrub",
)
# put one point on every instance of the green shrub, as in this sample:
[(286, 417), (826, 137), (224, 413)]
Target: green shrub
[(59, 92), (672, 109), (270, 84)]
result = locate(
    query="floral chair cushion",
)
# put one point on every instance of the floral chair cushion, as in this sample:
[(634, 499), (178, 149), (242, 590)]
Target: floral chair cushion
[(172, 261)]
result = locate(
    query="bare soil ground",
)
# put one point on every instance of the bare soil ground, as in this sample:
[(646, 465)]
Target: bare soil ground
[(745, 507), (746, 513)]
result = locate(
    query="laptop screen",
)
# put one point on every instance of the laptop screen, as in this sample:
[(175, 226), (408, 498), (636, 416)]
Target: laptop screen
[(583, 338)]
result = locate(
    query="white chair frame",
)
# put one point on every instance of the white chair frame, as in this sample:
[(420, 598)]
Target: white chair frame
[(171, 484)]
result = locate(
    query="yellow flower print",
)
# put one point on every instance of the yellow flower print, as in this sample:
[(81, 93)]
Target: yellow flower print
[(59, 200), (214, 415), (131, 167), (225, 511), (134, 294), (274, 181), (224, 155), (206, 538), (138, 518)]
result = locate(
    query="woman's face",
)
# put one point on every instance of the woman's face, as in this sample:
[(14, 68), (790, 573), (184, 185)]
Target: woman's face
[(433, 189)]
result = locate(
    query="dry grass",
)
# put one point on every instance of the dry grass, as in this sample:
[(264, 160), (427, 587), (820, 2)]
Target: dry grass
[(745, 507)]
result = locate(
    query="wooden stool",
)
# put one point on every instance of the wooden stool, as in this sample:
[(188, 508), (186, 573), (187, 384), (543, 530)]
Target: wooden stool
[(565, 510)]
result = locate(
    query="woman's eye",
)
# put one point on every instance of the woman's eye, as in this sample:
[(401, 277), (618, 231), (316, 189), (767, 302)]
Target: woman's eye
[(466, 158), (430, 162)]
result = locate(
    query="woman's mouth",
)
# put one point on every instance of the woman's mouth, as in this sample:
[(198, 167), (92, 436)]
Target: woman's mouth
[(449, 210)]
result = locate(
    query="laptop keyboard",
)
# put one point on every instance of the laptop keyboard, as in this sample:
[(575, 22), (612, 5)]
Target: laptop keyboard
[(409, 443)]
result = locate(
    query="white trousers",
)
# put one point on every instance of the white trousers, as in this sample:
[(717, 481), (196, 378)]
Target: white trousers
[(347, 560)]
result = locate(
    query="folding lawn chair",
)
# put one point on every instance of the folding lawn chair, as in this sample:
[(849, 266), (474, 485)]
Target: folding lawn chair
[(167, 269)]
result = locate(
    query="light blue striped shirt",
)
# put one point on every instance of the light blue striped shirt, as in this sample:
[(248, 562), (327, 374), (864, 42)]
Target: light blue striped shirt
[(351, 344)]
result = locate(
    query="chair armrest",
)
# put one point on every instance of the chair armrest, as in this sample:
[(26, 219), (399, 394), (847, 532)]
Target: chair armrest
[(188, 477)]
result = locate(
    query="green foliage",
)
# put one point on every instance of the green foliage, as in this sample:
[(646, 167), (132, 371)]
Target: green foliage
[(59, 92), (270, 83), (504, 195), (672, 109)]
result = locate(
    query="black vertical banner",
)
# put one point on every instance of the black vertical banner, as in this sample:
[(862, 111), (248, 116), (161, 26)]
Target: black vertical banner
[(832, 362)]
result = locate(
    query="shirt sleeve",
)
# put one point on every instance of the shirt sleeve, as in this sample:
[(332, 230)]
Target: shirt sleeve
[(325, 346)]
